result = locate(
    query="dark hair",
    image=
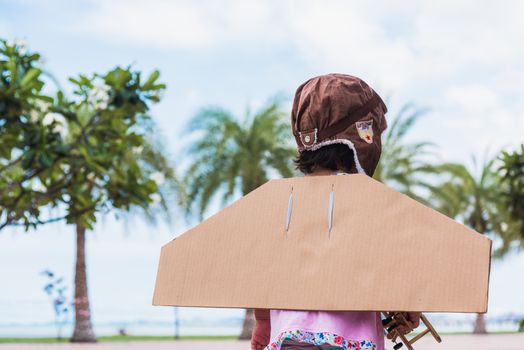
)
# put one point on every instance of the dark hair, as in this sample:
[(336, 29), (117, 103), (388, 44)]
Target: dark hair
[(333, 157)]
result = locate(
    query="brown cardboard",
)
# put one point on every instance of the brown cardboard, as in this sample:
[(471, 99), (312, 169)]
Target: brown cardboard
[(384, 251)]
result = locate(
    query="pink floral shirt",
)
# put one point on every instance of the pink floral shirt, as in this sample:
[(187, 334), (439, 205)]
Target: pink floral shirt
[(326, 330)]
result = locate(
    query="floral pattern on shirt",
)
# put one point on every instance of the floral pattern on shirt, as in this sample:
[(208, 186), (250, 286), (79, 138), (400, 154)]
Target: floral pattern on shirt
[(325, 340)]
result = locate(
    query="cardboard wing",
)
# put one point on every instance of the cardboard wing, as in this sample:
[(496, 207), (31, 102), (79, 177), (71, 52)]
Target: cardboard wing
[(327, 243)]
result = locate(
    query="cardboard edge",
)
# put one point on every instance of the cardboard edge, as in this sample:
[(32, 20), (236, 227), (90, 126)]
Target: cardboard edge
[(188, 230), (489, 274), (154, 301), (480, 235), (211, 306)]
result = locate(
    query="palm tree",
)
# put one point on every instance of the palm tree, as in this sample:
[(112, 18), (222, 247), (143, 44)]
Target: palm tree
[(512, 187), (232, 155), (402, 162), (473, 197)]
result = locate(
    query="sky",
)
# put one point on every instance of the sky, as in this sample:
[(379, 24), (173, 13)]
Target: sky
[(463, 60)]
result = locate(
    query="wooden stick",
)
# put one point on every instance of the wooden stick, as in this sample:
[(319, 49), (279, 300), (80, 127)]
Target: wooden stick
[(418, 336), (431, 328)]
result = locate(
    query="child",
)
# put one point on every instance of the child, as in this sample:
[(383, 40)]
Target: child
[(337, 121)]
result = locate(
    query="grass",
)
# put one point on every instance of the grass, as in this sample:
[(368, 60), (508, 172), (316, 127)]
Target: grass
[(125, 338), (116, 338)]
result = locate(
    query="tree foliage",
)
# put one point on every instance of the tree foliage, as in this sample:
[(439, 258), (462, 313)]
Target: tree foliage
[(402, 162), (469, 195), (512, 193), (79, 155), (231, 154)]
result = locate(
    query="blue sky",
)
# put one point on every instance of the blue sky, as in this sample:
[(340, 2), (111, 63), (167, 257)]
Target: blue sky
[(462, 59)]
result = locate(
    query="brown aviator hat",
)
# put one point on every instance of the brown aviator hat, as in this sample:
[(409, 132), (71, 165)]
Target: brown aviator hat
[(340, 108)]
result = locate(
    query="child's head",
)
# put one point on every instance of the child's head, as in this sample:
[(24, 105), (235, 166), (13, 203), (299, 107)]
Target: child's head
[(337, 121), (332, 157)]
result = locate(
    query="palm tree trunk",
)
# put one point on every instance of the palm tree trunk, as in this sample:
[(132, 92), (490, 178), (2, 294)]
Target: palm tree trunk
[(248, 325), (480, 325), (83, 332)]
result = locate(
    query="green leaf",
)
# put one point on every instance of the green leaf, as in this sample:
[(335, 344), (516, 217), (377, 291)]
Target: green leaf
[(45, 98), (29, 156), (75, 81), (45, 160), (31, 74), (11, 66), (149, 84), (159, 87)]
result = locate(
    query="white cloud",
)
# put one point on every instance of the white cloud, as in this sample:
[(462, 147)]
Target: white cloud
[(476, 98), (342, 37), (434, 40), (152, 23), (462, 58), (487, 109), (393, 45), (180, 24), (473, 118)]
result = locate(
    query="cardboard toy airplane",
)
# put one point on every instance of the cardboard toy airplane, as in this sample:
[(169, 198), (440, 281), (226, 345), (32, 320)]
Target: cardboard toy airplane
[(327, 243)]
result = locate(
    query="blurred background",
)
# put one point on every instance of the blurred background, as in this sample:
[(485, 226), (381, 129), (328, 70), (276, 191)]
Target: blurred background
[(451, 73)]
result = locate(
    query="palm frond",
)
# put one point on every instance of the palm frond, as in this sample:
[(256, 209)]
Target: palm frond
[(231, 153)]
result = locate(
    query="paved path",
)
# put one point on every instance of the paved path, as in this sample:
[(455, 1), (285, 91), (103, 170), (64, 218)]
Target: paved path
[(452, 342)]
